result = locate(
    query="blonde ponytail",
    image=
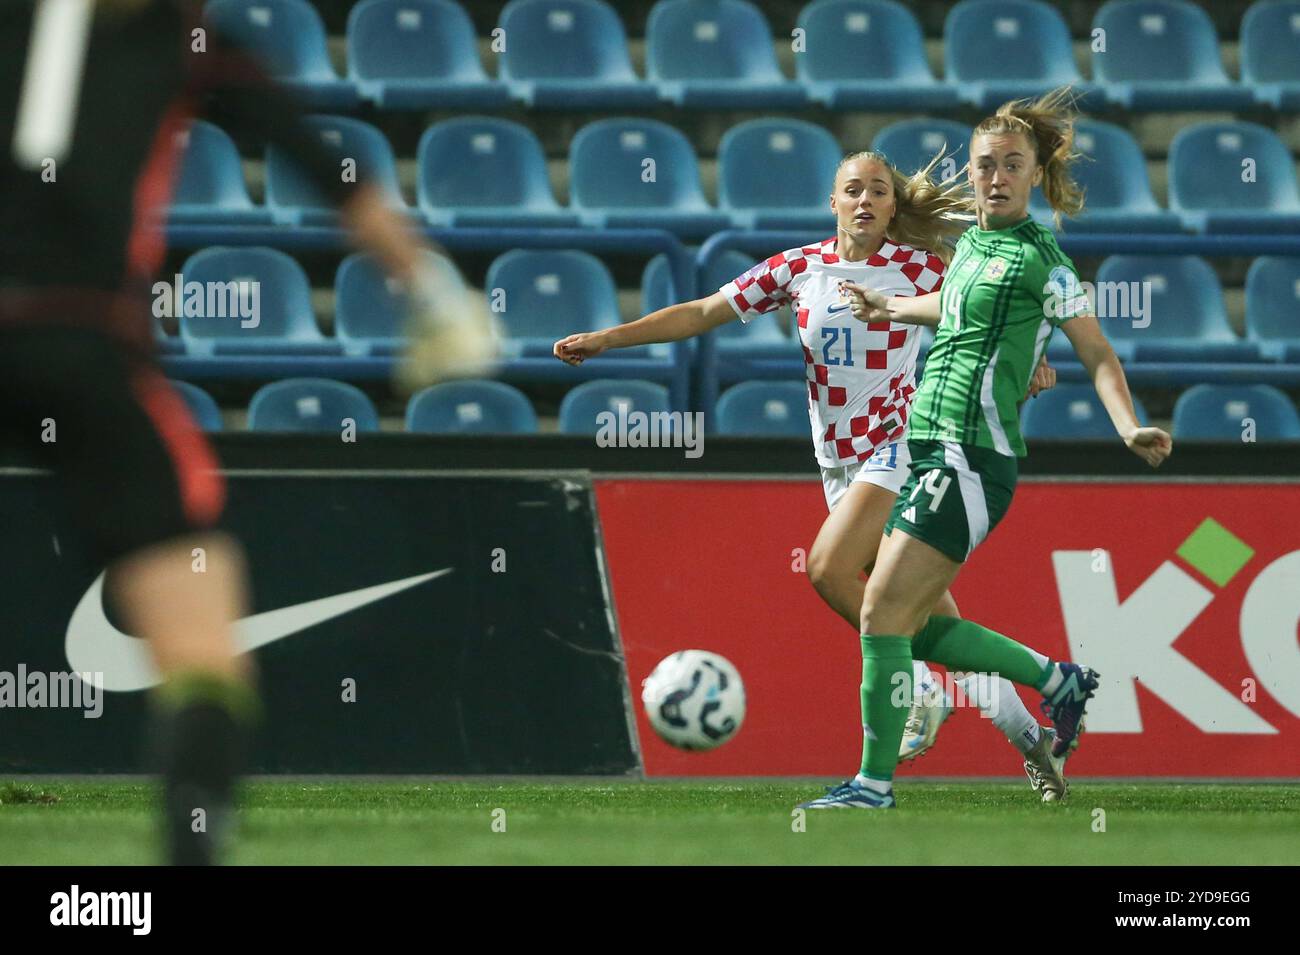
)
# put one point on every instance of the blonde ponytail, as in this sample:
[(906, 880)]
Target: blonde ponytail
[(1048, 124)]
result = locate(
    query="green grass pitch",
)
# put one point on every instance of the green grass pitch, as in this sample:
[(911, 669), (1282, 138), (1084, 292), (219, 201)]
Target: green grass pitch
[(421, 822)]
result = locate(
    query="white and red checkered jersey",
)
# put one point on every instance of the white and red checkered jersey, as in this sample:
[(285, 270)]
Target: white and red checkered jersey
[(861, 376)]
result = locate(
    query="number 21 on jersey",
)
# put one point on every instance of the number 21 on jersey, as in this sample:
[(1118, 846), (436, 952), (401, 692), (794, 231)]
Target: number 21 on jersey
[(831, 334)]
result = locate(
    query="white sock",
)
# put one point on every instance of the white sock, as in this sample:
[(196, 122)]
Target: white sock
[(882, 787), (922, 679), (999, 701), (1054, 681)]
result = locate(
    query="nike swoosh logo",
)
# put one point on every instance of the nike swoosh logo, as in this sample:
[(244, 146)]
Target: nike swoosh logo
[(94, 645), (839, 308)]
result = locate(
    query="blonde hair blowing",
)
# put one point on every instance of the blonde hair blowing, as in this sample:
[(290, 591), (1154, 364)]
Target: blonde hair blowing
[(928, 215), (1048, 124)]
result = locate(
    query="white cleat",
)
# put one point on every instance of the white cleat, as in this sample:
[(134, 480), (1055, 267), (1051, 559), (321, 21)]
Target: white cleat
[(930, 708), (1047, 772)]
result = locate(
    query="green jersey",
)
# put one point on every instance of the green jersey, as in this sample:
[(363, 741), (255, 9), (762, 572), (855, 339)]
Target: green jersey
[(1003, 295)]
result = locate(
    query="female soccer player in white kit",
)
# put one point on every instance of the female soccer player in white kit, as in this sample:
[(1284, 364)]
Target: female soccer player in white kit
[(891, 235)]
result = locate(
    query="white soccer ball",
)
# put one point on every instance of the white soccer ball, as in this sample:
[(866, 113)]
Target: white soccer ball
[(694, 699)]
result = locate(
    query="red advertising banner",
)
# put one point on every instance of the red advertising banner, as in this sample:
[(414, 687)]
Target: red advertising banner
[(1185, 597)]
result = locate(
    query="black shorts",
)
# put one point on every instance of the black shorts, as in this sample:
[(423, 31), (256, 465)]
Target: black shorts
[(135, 467)]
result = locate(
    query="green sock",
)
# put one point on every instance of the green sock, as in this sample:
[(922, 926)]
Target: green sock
[(965, 645), (886, 699), (190, 687)]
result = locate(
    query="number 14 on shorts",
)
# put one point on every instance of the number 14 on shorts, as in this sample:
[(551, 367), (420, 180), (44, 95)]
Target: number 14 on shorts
[(936, 488)]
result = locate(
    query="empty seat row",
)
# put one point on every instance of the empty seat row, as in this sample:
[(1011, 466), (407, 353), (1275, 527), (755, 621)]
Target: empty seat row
[(1170, 308), (772, 174), (752, 408), (1153, 308), (255, 300), (1222, 177), (417, 54), (327, 406), (1246, 413)]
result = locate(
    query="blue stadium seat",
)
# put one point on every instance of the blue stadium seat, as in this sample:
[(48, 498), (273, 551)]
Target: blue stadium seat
[(999, 50), (764, 408), (311, 404), (570, 54), (1270, 52), (166, 343), (289, 37), (716, 55), (778, 174), (912, 143), (418, 54), (657, 292), (923, 346), (284, 324), (480, 171), (471, 407), (1273, 306), (201, 404), (370, 308), (760, 338), (290, 195), (210, 188), (1071, 412), (1219, 413), (609, 165), (1117, 190), (580, 408), (657, 285), (1184, 317), (1162, 55), (1233, 177), (896, 76), (549, 294)]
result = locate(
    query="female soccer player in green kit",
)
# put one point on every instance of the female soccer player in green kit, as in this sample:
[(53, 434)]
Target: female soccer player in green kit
[(1007, 289)]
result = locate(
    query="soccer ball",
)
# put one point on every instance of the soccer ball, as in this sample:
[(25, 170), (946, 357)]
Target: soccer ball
[(694, 699)]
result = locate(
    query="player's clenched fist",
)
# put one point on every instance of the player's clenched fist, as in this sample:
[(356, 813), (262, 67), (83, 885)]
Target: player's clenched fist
[(578, 348), (867, 304), (1152, 445), (1044, 379)]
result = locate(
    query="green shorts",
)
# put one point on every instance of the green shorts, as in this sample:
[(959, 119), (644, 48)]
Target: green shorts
[(954, 496)]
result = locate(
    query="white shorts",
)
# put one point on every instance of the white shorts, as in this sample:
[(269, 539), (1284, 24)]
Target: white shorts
[(886, 468)]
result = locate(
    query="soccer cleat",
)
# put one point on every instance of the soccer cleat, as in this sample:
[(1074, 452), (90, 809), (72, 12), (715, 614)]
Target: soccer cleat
[(850, 795), (1047, 772), (1066, 705), (931, 707)]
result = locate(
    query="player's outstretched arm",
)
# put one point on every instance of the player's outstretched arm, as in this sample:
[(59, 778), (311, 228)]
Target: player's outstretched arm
[(1152, 445), (670, 324), (868, 305)]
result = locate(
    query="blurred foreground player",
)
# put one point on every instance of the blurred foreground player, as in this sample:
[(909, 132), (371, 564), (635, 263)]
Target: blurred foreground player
[(92, 95)]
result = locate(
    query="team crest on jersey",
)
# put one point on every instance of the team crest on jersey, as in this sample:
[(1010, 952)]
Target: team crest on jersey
[(996, 268)]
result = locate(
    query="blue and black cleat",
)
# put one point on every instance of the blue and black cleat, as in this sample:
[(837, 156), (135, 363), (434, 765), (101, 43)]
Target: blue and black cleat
[(1065, 706)]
